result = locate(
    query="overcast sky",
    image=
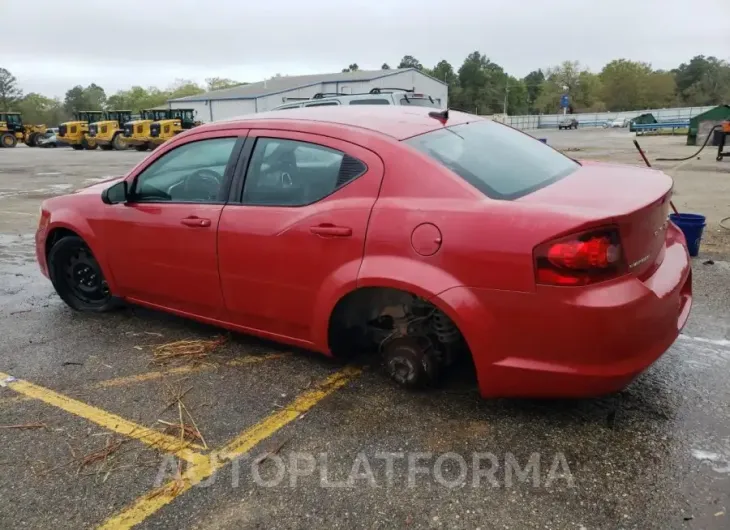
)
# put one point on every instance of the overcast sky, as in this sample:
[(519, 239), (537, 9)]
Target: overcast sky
[(117, 44)]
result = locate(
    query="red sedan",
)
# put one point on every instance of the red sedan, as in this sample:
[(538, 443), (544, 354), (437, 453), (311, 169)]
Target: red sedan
[(418, 235)]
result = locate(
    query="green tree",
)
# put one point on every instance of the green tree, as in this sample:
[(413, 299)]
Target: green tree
[(184, 87), (582, 87), (352, 68), (9, 91), (408, 61), (219, 83), (445, 72), (483, 85), (137, 98), (517, 97), (385, 67), (79, 98), (662, 88), (533, 84), (38, 109)]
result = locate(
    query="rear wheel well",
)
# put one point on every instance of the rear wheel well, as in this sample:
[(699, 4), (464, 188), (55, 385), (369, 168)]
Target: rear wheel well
[(56, 235), (368, 318)]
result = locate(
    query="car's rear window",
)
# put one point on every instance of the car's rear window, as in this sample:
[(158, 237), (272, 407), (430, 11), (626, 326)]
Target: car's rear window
[(501, 162)]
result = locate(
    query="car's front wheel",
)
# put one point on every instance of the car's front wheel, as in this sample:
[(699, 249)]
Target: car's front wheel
[(77, 276)]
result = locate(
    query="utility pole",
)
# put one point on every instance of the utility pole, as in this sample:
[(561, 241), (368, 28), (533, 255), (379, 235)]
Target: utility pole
[(506, 92)]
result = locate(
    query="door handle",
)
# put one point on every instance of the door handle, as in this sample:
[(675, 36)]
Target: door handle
[(196, 222), (329, 230)]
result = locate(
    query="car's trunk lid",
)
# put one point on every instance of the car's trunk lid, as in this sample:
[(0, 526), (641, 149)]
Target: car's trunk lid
[(635, 199)]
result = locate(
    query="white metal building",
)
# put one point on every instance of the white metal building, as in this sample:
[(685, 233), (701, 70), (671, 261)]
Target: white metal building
[(265, 95)]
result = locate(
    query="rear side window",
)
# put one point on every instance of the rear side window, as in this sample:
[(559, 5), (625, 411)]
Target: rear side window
[(370, 101), (324, 104), (499, 161), (291, 173)]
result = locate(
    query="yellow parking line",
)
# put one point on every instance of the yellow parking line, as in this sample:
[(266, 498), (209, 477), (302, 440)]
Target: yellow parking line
[(112, 422), (151, 376), (150, 503)]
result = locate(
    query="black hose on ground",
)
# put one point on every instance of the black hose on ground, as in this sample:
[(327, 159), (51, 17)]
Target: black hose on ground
[(695, 154)]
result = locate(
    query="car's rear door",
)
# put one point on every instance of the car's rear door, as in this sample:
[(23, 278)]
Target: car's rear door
[(298, 230), (163, 242)]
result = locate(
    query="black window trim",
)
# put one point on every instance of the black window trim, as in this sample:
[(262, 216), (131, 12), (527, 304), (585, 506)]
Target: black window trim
[(235, 196), (322, 103), (367, 101), (228, 173)]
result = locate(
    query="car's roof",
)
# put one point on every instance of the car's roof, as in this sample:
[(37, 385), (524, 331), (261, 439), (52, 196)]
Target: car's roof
[(395, 121)]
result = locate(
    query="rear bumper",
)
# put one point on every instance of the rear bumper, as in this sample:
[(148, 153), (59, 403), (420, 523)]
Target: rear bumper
[(575, 342)]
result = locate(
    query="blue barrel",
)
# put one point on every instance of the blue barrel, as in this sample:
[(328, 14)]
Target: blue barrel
[(691, 225)]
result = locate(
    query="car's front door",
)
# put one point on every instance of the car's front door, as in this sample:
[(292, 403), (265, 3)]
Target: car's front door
[(163, 240), (298, 231)]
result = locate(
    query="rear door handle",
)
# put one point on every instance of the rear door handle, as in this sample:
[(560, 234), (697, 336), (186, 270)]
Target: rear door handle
[(331, 230), (196, 222)]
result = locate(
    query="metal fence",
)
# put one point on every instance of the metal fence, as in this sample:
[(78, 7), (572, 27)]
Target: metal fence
[(598, 119)]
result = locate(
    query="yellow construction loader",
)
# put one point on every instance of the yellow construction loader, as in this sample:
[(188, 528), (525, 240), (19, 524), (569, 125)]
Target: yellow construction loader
[(137, 132), (76, 133), (109, 132), (12, 131), (179, 120)]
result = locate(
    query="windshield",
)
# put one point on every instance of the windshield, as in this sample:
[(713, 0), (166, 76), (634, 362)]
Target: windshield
[(13, 119), (501, 162), (419, 102), (90, 117)]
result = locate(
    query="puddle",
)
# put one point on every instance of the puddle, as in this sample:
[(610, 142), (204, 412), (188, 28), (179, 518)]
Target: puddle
[(719, 462)]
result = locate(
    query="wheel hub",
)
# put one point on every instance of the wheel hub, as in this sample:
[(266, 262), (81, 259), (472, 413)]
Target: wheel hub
[(84, 277)]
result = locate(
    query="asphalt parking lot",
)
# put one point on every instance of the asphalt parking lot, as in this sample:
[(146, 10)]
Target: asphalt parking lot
[(281, 438)]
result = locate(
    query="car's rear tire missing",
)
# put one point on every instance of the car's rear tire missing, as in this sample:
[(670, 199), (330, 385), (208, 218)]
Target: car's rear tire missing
[(77, 276), (411, 363)]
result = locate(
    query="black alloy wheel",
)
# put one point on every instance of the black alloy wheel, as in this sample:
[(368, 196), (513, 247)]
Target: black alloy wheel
[(77, 276)]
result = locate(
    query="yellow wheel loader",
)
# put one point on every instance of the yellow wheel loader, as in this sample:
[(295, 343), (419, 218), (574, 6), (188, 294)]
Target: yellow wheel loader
[(137, 132), (179, 120), (76, 133), (12, 131), (109, 132)]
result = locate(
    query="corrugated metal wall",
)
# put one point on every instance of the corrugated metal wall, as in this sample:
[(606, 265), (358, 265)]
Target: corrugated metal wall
[(230, 108), (597, 119)]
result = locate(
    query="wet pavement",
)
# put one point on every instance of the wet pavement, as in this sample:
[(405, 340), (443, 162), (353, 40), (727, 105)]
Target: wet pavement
[(293, 440)]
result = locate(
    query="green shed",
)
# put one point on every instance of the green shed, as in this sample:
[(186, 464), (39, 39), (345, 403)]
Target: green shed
[(642, 119), (700, 125)]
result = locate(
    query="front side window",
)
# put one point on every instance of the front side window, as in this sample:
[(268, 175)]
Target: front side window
[(191, 173), (501, 162), (291, 173)]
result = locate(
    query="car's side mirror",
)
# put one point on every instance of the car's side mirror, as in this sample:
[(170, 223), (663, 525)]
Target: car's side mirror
[(115, 194)]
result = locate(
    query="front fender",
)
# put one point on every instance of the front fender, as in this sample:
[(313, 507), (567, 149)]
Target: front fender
[(69, 219)]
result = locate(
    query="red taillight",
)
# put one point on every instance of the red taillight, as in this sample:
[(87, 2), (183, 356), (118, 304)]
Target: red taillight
[(581, 259)]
